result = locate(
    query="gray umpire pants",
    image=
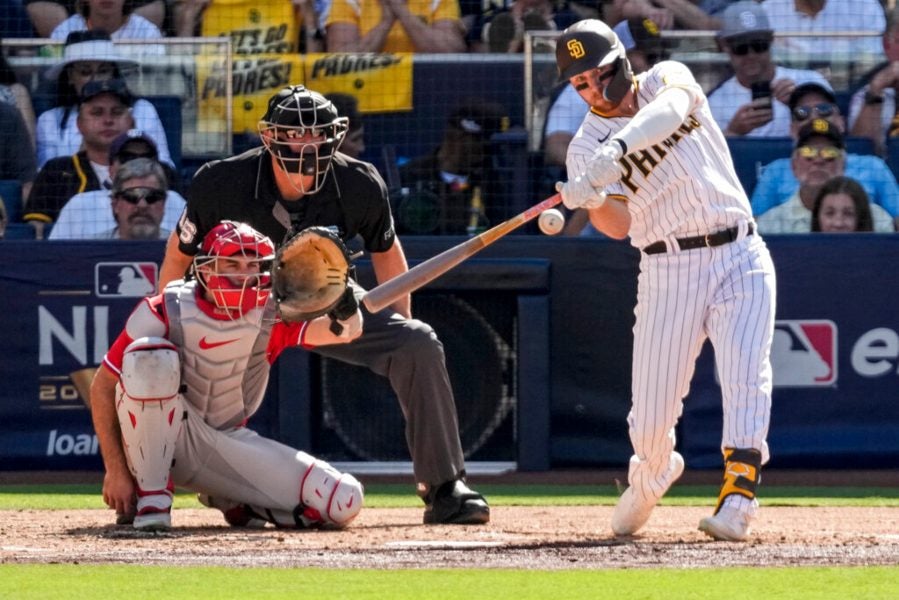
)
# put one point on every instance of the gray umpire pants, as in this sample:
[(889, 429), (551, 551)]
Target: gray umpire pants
[(408, 353)]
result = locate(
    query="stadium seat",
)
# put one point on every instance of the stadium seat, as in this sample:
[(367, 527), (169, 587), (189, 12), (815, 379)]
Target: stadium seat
[(169, 109), (11, 192), (19, 231)]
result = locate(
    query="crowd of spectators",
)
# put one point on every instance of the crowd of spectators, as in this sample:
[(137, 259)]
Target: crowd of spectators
[(758, 97)]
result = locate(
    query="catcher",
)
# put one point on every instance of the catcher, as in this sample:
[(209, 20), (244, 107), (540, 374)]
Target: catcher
[(190, 367), (297, 179)]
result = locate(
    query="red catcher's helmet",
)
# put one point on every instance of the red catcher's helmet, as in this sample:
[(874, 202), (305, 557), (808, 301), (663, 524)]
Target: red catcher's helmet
[(235, 291)]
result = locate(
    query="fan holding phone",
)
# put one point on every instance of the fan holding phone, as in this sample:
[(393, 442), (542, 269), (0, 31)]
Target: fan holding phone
[(753, 102)]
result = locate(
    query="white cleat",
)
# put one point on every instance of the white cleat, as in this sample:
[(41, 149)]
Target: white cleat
[(633, 509), (728, 525), (153, 521)]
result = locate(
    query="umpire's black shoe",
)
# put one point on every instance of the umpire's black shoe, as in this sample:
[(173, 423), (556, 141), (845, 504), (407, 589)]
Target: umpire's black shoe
[(455, 503)]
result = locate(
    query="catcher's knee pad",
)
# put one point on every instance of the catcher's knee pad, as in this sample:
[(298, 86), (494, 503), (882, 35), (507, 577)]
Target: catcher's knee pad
[(742, 473), (327, 494), (150, 409)]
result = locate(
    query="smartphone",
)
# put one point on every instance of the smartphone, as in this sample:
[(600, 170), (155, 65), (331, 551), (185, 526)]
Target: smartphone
[(761, 92)]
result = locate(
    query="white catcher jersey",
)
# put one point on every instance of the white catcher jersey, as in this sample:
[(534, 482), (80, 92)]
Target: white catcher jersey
[(684, 186)]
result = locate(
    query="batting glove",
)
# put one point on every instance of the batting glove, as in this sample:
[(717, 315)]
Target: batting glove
[(580, 193), (604, 168)]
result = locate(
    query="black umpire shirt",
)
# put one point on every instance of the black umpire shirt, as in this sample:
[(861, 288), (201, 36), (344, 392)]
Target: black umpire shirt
[(242, 188)]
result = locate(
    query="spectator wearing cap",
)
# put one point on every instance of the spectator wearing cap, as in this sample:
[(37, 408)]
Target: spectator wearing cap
[(353, 143), (103, 114), (753, 102), (824, 16), (644, 45), (818, 157), (459, 174), (88, 56), (138, 200), (87, 215), (777, 181)]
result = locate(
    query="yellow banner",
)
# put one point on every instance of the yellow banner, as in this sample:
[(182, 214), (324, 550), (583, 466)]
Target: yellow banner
[(380, 82)]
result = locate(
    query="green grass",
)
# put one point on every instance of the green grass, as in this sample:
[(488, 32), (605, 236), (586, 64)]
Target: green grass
[(68, 497), (101, 581), (206, 583)]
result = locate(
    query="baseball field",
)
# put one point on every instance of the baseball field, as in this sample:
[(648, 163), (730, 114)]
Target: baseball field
[(818, 535)]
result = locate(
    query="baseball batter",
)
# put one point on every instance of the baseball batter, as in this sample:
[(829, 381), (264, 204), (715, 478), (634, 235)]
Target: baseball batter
[(171, 399), (649, 162)]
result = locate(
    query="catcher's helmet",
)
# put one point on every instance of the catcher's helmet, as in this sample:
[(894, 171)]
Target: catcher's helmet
[(589, 44), (293, 113), (235, 292)]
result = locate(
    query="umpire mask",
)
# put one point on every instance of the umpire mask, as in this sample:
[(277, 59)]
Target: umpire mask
[(589, 44), (303, 130)]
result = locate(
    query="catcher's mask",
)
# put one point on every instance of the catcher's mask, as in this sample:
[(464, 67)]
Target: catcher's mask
[(589, 44), (303, 130), (234, 266)]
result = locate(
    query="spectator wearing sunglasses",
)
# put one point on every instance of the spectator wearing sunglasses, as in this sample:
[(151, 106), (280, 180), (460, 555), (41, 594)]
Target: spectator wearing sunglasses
[(138, 202), (777, 182), (753, 102), (819, 155), (87, 215), (872, 110)]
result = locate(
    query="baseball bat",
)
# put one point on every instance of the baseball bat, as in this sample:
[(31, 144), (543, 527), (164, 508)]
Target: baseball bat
[(423, 273)]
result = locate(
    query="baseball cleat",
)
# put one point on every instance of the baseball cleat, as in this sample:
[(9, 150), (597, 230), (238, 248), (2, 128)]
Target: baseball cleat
[(454, 503), (153, 521), (633, 509), (728, 525), (236, 514)]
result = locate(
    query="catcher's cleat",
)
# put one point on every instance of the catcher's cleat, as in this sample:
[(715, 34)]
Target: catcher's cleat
[(154, 511), (729, 523), (634, 507), (236, 515), (454, 503), (152, 519)]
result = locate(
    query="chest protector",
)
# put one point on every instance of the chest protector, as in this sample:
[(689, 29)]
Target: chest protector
[(223, 362)]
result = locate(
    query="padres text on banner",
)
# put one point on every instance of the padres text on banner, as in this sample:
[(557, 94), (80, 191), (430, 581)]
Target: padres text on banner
[(381, 82), (264, 41)]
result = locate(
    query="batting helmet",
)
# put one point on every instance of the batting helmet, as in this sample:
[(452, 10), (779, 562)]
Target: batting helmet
[(589, 44), (294, 113), (235, 292)]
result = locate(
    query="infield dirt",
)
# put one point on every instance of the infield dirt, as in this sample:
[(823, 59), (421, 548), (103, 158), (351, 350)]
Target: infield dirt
[(517, 537)]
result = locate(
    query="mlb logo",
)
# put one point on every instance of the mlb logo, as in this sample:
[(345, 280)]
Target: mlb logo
[(804, 353), (125, 279)]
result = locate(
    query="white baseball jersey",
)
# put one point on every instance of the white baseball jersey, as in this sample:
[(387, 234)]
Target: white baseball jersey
[(684, 186), (225, 367)]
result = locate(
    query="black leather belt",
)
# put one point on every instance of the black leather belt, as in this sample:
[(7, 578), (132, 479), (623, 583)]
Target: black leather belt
[(719, 238)]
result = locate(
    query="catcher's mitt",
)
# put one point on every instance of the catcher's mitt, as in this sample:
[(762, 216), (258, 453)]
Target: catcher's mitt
[(310, 275)]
